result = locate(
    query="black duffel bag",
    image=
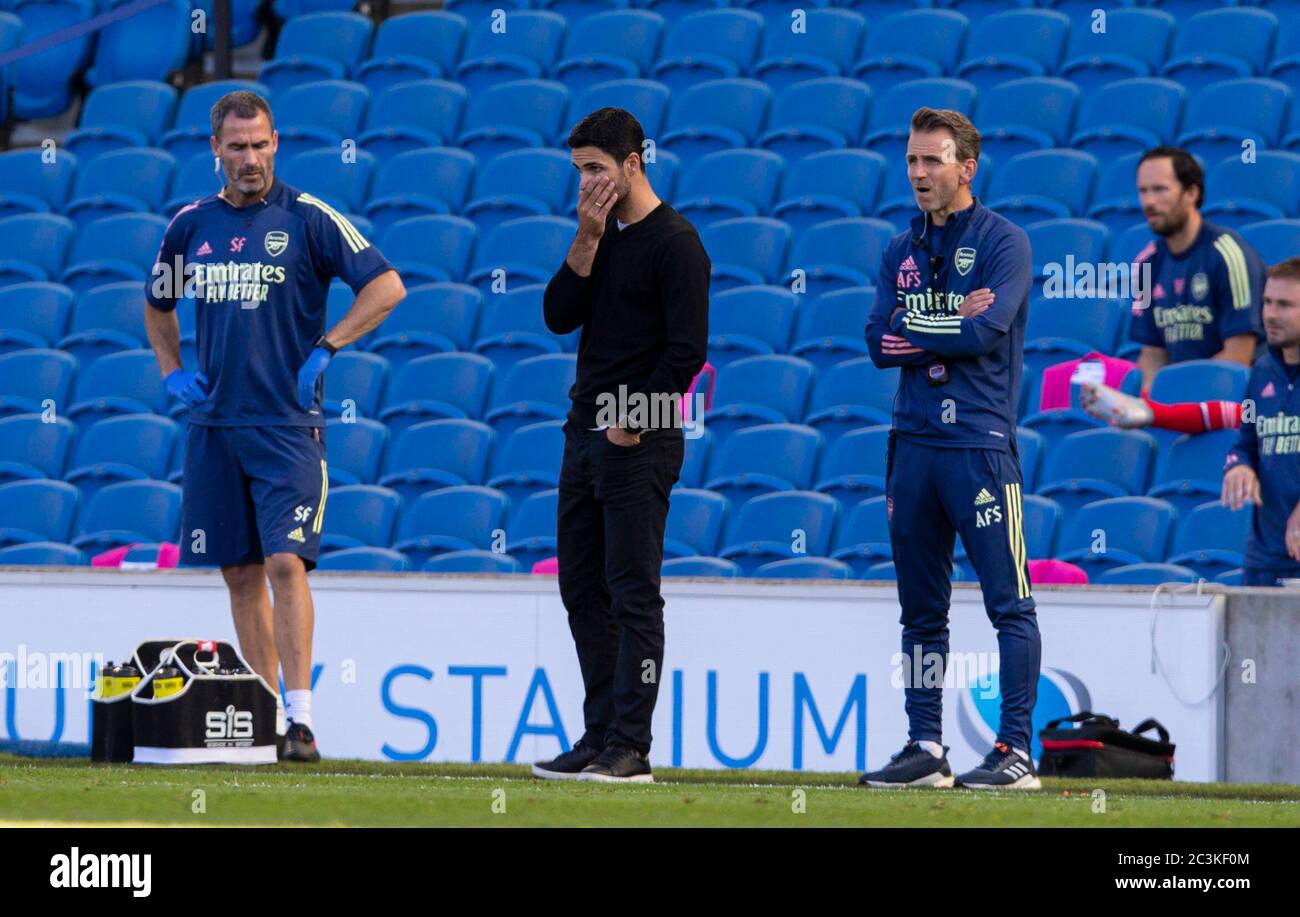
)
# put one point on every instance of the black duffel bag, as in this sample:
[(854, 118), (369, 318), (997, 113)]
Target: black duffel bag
[(1097, 747)]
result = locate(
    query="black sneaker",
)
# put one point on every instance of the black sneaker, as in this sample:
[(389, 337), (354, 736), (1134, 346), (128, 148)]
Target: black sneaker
[(568, 765), (913, 766), (1002, 769), (619, 764), (300, 744)]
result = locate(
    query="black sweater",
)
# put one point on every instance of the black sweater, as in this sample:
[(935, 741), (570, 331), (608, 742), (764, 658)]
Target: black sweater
[(643, 310)]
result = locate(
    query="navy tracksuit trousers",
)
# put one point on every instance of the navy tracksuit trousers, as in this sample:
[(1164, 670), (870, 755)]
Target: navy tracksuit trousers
[(934, 494)]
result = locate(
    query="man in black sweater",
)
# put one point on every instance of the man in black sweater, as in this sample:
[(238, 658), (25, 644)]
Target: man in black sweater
[(636, 280)]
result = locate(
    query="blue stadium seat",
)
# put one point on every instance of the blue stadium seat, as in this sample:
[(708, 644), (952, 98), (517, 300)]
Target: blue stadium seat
[(34, 245), (125, 382), (437, 453), (534, 390), (188, 136), (317, 46), (842, 253), (1095, 465), (524, 50), (1043, 185), (513, 328), (762, 528), (1211, 539), (891, 114), (1081, 325), (133, 113), (245, 24), (1030, 447), (530, 533), (708, 45), (816, 116), (854, 466), (127, 512), (1128, 116), (353, 449), (29, 184), (765, 458), (1134, 43), (114, 248), (29, 378), (696, 459), (439, 385), (150, 45), (911, 45), (360, 515), (450, 519), (1200, 380), (1266, 189), (1115, 200), (863, 540), (1055, 424), (421, 182), (1221, 117), (320, 114), (528, 461), (11, 35), (1220, 44), (344, 185), (434, 318), (1274, 240), (522, 251), (33, 315), (481, 12), (429, 249), (31, 448), (745, 251), (43, 553), (474, 561), (851, 394), (716, 115), (804, 568), (131, 447), (1135, 529), (1184, 9), (1021, 116), (827, 45), (1015, 43), (647, 101), (1042, 518), (609, 45), (686, 566), (509, 116), (696, 519), (42, 82), (121, 181), (1190, 471), (196, 178), (576, 10), (424, 45), (1053, 242), (35, 511), (830, 327), (354, 383), (759, 390), (729, 184), (290, 9), (522, 183), (1146, 575), (829, 185), (413, 116), (748, 321), (365, 560)]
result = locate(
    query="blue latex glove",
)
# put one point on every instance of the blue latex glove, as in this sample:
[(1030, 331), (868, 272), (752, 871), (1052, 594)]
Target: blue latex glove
[(190, 388), (317, 360)]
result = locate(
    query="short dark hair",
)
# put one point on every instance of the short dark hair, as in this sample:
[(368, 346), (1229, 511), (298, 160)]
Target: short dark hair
[(1286, 270), (611, 130), (1187, 169), (244, 104), (964, 134)]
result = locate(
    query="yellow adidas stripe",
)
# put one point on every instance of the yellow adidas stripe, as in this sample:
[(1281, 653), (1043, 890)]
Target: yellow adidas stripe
[(1016, 538), (915, 324), (1238, 276), (324, 495), (355, 240)]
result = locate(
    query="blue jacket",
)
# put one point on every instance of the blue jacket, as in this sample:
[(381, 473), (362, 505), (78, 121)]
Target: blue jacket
[(1271, 445), (976, 408)]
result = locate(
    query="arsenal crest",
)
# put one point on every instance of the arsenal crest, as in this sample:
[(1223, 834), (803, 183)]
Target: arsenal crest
[(276, 242), (964, 260)]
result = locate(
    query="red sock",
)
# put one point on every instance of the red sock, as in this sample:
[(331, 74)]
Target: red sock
[(1195, 416)]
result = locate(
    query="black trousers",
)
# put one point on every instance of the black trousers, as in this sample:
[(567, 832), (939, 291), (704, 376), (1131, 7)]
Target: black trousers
[(612, 510)]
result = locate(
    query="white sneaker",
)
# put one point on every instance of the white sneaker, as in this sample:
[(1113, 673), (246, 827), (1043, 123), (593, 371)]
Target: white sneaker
[(1114, 407)]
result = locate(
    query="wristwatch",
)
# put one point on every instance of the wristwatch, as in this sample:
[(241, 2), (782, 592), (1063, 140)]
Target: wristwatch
[(325, 345)]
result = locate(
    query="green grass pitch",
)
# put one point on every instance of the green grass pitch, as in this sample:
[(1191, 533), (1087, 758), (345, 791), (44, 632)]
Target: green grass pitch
[(63, 791)]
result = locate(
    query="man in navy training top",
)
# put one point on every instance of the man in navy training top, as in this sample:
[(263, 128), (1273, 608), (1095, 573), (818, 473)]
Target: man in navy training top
[(257, 258), (1264, 467), (951, 304)]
